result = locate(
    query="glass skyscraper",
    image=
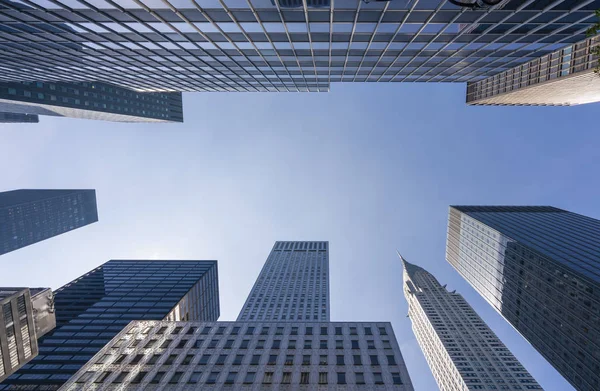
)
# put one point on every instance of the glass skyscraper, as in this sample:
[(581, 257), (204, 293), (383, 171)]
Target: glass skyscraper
[(276, 45), (539, 267), (28, 216), (461, 350), (95, 307)]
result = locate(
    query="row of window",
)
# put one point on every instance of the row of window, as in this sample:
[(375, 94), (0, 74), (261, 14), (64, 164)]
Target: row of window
[(233, 377), (266, 330)]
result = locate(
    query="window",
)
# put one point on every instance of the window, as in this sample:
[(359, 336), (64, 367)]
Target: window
[(268, 378), (221, 359), (339, 344), (378, 378), (323, 330), (338, 331), (220, 331), (279, 331), (228, 344), (244, 344), (276, 344), (191, 330), (287, 378), (353, 331), (322, 377), (181, 344), (157, 378), (238, 359), (308, 331), (213, 343), (235, 330), (230, 378), (171, 359), (382, 331), (176, 377), (136, 359), (272, 359), (204, 359), (323, 360), (139, 377), (289, 359), (249, 377), (370, 344), (357, 359), (212, 378), (396, 378), (292, 344), (294, 331), (85, 377), (387, 345), (198, 343), (360, 378), (304, 377), (102, 376), (154, 359), (120, 377), (255, 359), (339, 360), (206, 331), (355, 344), (368, 331), (391, 360), (188, 359), (250, 331), (374, 360), (264, 331), (341, 378), (323, 344), (306, 359), (308, 344), (120, 359)]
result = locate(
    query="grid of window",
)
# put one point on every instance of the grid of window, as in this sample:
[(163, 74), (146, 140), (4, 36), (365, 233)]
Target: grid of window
[(30, 216), (94, 308), (220, 365), (292, 286), (259, 45), (461, 350), (538, 267)]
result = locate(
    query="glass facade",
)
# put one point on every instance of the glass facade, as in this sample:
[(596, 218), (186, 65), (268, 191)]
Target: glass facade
[(18, 118), (94, 308), (30, 216), (267, 45), (539, 267)]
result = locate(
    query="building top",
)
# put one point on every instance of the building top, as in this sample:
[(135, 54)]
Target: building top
[(506, 208), (22, 196)]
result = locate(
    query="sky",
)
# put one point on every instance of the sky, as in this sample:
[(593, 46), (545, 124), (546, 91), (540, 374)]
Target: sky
[(372, 168)]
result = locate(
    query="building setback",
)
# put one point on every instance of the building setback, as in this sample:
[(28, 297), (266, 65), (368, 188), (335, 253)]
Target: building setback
[(31, 215), (262, 45), (539, 267), (565, 77), (282, 340), (461, 350), (25, 316), (95, 307)]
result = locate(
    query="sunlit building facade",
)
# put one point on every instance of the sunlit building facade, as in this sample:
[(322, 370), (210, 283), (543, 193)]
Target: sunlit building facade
[(539, 267), (95, 307), (461, 350)]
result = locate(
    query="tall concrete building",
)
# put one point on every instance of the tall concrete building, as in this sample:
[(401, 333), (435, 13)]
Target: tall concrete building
[(282, 340), (31, 215), (291, 45), (26, 315), (565, 77), (95, 307), (293, 285), (461, 350), (539, 267)]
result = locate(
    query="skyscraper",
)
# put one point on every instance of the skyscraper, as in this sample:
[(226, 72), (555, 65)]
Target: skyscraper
[(18, 118), (282, 340), (292, 285), (539, 267), (563, 78), (292, 45), (26, 315), (97, 306), (461, 350), (30, 216)]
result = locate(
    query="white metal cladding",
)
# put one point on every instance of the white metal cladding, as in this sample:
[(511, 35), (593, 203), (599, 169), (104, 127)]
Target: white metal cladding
[(196, 351)]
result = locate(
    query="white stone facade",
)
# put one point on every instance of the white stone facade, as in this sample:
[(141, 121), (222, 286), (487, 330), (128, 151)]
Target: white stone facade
[(461, 350), (159, 355)]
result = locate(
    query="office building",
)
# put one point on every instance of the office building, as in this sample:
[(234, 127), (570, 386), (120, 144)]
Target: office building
[(89, 100), (31, 215), (26, 315), (461, 350), (293, 285), (6, 118), (539, 267), (282, 340), (565, 77), (291, 45), (95, 307)]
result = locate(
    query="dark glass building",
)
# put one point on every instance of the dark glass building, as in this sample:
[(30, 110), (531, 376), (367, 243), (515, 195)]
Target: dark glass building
[(31, 215), (95, 307), (18, 118), (279, 45), (539, 267)]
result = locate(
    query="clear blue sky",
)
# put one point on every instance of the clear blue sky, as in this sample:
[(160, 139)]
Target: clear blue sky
[(371, 168)]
